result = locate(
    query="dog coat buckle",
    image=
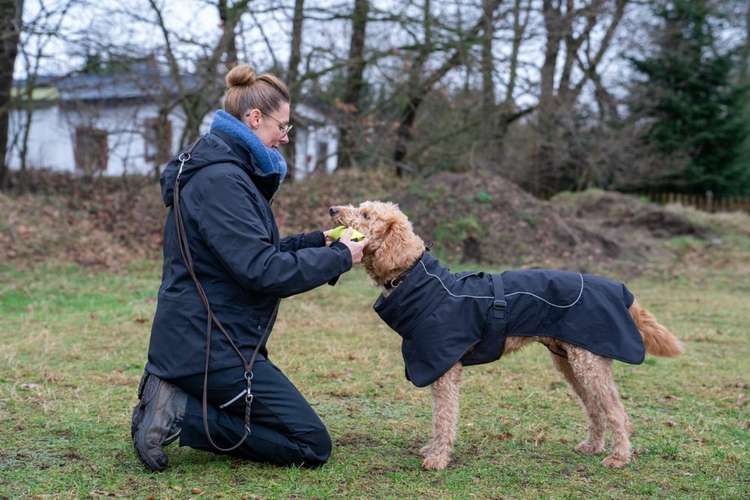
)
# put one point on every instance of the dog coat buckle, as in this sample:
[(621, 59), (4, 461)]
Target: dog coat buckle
[(498, 308)]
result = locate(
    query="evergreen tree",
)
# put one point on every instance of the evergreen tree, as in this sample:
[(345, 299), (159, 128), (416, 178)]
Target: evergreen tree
[(693, 102)]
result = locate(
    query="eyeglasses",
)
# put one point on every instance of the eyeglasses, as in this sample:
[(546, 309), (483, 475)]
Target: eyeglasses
[(284, 128)]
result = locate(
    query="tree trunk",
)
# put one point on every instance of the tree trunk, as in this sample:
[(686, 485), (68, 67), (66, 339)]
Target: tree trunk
[(292, 76), (415, 95), (231, 50), (488, 66), (543, 169), (746, 47), (553, 26), (508, 112), (354, 83), (519, 27), (10, 32)]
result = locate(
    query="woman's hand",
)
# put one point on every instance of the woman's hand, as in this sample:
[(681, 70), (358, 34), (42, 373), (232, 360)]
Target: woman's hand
[(355, 247), (328, 237)]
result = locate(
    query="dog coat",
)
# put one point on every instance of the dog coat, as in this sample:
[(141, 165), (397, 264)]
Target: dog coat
[(444, 317)]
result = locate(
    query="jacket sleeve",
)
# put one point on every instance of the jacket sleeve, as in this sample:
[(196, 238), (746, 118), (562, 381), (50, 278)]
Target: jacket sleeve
[(231, 222), (304, 240)]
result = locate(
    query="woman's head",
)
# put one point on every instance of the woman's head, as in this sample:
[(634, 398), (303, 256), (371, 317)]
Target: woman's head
[(260, 102)]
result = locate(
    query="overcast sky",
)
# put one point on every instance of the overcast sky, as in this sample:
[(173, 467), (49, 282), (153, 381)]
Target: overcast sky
[(128, 25)]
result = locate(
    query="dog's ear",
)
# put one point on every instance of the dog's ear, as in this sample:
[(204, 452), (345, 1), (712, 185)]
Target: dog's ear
[(378, 234), (386, 244)]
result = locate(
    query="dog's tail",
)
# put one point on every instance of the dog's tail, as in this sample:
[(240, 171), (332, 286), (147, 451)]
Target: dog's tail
[(658, 340)]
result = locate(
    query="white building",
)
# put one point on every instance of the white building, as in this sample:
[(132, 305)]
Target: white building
[(109, 124)]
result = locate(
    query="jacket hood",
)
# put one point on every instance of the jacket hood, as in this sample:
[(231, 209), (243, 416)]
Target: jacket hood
[(211, 149)]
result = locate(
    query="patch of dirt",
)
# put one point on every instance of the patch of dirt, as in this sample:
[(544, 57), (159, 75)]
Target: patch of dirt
[(97, 228)]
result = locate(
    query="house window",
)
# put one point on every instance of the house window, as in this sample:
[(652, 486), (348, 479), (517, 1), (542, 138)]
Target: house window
[(322, 151), (157, 145), (91, 150)]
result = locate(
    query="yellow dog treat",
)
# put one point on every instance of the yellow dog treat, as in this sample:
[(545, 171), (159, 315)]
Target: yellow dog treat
[(338, 232)]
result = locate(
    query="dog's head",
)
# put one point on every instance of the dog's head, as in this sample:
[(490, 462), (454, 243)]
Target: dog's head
[(392, 245)]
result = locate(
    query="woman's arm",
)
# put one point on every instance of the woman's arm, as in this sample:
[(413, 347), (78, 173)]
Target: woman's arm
[(303, 240), (231, 222)]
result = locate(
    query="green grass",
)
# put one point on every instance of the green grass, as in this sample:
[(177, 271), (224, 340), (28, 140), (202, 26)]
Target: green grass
[(74, 343)]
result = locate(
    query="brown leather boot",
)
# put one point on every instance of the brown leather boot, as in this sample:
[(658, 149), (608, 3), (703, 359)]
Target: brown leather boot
[(156, 420)]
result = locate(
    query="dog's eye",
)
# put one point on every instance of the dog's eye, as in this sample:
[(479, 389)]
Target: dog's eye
[(365, 215)]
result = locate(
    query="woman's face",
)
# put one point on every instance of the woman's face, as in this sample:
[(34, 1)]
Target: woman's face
[(271, 129)]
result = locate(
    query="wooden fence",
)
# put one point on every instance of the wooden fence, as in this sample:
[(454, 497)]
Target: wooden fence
[(705, 202)]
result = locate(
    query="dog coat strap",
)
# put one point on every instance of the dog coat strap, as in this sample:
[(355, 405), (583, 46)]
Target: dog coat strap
[(499, 305)]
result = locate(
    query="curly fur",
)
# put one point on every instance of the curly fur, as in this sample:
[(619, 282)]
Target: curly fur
[(393, 248)]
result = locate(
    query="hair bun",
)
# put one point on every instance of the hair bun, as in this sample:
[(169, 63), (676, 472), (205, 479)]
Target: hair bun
[(241, 75)]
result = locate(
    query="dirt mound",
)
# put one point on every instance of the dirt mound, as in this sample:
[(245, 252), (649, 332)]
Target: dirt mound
[(626, 213), (476, 217), (480, 217)]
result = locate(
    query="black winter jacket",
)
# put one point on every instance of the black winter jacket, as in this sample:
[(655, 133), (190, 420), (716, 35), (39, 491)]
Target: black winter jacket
[(238, 256), (444, 317)]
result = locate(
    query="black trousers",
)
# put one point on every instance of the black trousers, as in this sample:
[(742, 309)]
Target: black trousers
[(285, 429)]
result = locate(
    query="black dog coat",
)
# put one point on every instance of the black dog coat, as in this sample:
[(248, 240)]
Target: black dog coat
[(444, 317)]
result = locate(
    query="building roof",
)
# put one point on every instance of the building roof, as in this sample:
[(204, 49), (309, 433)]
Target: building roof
[(143, 81)]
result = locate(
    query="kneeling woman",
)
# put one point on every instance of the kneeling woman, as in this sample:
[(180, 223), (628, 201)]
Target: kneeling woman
[(209, 380)]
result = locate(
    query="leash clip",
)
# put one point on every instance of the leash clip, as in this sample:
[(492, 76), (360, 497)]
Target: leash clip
[(248, 400), (183, 158)]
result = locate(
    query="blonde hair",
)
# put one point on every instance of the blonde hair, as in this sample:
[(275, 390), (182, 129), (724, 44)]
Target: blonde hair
[(246, 91)]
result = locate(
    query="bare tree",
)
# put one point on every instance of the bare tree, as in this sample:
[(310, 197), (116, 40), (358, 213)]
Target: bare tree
[(509, 112), (197, 100), (420, 84), (295, 56), (556, 102), (350, 104), (488, 63), (10, 32), (746, 46), (43, 28)]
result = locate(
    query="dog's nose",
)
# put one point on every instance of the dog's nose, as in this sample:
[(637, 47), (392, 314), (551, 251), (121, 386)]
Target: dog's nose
[(333, 211)]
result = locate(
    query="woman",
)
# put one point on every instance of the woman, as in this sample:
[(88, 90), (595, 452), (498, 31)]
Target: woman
[(238, 267)]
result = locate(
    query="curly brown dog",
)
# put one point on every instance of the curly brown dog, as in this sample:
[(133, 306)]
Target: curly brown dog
[(394, 249)]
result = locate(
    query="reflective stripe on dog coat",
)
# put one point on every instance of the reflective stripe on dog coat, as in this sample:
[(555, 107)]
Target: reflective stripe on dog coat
[(444, 317)]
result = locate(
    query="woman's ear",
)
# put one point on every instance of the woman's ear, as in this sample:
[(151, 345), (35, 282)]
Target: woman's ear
[(252, 117)]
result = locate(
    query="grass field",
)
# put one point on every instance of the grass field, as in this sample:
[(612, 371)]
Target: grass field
[(74, 344)]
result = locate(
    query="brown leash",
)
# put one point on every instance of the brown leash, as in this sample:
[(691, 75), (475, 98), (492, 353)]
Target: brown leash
[(211, 319)]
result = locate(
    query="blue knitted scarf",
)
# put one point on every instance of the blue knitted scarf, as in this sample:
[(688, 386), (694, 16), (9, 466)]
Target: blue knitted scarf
[(270, 160)]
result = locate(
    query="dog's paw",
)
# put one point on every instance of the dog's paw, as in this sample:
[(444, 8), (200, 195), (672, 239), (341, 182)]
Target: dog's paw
[(436, 461), (587, 448), (426, 449), (615, 461)]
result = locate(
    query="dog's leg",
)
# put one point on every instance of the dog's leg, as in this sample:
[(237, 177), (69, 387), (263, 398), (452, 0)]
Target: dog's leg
[(445, 394), (594, 443), (594, 373), (615, 396), (621, 428)]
